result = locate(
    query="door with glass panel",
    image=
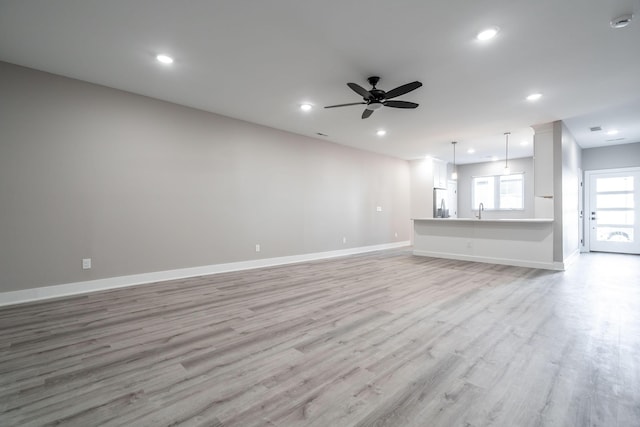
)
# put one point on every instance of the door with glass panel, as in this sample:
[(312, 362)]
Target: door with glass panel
[(614, 223)]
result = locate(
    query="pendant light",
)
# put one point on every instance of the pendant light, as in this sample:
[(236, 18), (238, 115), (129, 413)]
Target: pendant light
[(454, 174), (506, 154)]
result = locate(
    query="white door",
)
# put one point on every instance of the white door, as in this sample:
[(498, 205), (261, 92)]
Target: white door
[(614, 223)]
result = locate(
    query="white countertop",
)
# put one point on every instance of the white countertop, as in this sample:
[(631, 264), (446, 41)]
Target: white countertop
[(521, 220)]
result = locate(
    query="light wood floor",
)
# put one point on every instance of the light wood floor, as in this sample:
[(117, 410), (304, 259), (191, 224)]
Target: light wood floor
[(381, 339)]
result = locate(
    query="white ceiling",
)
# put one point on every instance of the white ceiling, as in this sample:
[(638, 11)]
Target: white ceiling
[(259, 60)]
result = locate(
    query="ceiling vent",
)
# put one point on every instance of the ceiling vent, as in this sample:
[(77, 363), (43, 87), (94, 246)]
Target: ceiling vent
[(596, 129), (614, 140), (621, 21)]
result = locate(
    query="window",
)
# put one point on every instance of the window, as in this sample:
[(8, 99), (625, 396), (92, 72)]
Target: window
[(484, 191), (499, 191)]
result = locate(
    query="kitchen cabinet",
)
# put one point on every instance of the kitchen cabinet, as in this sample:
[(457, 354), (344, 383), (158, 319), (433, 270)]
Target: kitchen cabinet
[(439, 174)]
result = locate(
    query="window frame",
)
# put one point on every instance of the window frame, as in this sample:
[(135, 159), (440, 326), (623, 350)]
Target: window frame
[(496, 179)]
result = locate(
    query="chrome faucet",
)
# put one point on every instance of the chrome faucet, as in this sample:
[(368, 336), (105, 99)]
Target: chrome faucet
[(480, 209)]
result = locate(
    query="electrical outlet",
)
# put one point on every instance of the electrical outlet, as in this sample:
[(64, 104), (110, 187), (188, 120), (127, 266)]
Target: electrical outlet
[(344, 240), (257, 248), (396, 234), (379, 208), (86, 263)]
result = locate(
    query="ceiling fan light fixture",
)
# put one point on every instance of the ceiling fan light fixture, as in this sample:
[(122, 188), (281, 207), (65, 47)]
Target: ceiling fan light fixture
[(306, 107), (381, 132), (373, 106), (534, 97)]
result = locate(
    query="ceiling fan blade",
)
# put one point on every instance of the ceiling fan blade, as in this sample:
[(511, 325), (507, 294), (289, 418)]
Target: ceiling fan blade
[(400, 104), (366, 113), (359, 90), (345, 105), (401, 90)]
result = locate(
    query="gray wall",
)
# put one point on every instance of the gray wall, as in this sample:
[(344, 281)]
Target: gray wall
[(467, 172), (615, 156), (571, 179), (421, 188), (140, 185)]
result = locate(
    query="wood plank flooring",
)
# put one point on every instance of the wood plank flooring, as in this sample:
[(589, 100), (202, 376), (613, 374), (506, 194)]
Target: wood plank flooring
[(380, 339)]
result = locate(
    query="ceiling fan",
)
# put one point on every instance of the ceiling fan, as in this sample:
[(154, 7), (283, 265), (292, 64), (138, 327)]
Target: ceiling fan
[(377, 98)]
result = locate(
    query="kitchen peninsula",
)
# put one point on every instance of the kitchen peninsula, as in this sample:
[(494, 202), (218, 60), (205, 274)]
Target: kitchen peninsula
[(519, 242)]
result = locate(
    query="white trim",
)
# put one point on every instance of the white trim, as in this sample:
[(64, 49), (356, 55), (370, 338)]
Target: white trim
[(586, 202), (503, 261), (56, 291), (615, 170), (571, 258)]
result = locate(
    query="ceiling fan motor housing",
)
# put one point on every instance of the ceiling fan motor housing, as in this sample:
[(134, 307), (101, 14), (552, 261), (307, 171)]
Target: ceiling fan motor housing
[(377, 94)]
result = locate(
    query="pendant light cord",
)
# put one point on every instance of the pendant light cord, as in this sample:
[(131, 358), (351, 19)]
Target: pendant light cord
[(506, 151), (454, 174)]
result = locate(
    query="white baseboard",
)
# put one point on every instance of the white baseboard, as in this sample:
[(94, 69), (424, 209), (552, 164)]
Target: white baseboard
[(568, 260), (571, 258), (56, 291), (490, 260)]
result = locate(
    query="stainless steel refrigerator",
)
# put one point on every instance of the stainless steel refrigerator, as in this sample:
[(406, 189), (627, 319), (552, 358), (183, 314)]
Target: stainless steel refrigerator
[(440, 200)]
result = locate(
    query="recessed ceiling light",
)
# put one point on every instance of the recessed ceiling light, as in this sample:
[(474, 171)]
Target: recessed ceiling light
[(488, 33), (165, 59), (612, 132), (381, 132), (534, 97), (471, 151), (306, 107)]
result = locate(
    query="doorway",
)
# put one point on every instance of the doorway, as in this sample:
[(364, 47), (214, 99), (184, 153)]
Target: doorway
[(613, 217)]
